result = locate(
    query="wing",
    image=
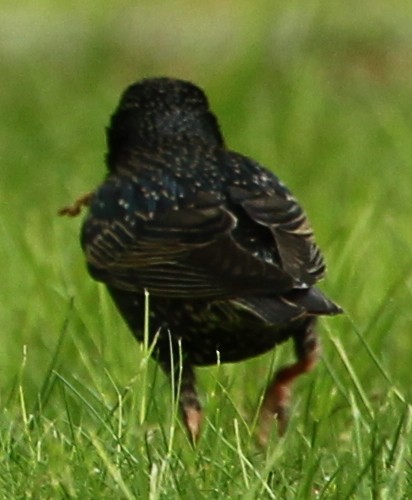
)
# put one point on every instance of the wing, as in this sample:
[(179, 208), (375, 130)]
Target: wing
[(279, 212), (173, 243), (156, 227)]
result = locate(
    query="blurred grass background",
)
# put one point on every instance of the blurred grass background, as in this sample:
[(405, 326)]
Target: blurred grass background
[(320, 92)]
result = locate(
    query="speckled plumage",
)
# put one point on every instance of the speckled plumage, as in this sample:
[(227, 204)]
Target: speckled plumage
[(223, 248)]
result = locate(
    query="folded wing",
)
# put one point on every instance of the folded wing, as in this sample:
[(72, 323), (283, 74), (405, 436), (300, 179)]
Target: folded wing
[(184, 242)]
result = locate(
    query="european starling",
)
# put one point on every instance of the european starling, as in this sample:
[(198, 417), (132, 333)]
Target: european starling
[(221, 245)]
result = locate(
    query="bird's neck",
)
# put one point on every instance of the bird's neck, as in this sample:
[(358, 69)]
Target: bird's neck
[(131, 131)]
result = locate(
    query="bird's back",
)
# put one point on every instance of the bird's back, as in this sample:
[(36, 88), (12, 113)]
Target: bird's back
[(221, 245), (194, 198)]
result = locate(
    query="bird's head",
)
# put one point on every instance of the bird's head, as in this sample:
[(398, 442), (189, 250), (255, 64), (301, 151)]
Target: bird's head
[(156, 112)]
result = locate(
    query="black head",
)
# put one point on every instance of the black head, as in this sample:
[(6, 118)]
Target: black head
[(159, 111)]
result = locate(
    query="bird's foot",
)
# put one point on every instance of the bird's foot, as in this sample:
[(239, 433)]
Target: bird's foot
[(75, 209), (276, 401), (275, 407), (192, 418), (189, 404)]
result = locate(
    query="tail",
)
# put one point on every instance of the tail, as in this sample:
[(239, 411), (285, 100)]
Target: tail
[(293, 305), (314, 302)]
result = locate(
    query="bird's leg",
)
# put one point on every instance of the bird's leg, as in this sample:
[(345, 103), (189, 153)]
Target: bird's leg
[(184, 380), (75, 209), (276, 401), (189, 403)]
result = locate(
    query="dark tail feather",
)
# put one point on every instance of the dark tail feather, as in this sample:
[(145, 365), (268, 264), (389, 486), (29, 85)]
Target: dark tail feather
[(291, 306), (314, 302)]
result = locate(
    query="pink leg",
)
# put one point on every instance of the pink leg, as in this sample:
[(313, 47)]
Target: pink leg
[(276, 401), (190, 407), (189, 404)]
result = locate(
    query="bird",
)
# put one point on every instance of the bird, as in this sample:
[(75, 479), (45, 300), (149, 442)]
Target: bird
[(220, 245)]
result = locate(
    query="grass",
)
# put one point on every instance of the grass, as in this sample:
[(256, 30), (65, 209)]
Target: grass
[(318, 91)]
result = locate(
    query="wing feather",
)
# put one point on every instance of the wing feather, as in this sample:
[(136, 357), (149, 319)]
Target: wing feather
[(161, 232), (292, 234), (189, 252)]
